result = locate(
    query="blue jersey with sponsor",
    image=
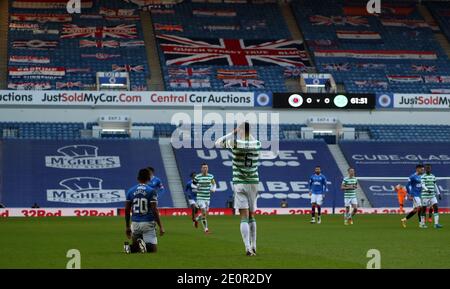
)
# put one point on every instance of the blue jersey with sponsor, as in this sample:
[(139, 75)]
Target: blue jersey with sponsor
[(190, 193), (156, 183), (318, 184), (414, 186), (141, 196)]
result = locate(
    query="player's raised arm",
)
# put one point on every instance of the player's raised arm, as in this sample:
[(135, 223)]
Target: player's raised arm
[(226, 140)]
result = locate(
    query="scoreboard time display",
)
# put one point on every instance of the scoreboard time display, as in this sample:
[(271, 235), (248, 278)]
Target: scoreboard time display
[(323, 101)]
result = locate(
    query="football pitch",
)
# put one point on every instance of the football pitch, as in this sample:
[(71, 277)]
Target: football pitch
[(283, 242)]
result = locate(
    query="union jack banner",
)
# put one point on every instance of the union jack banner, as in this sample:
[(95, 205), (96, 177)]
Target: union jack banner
[(190, 83), (336, 66), (188, 71), (179, 50), (339, 20), (423, 68), (34, 44), (91, 16), (100, 56), (168, 27), (244, 83), (99, 44), (78, 70), (41, 18), (119, 31), (29, 85), (136, 43), (29, 59), (236, 74), (128, 68), (61, 85), (318, 43), (437, 79)]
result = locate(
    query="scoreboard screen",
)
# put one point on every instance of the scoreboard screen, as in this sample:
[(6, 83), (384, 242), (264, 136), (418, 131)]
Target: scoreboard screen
[(323, 101)]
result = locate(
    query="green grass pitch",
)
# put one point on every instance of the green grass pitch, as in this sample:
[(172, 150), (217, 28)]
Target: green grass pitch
[(283, 242)]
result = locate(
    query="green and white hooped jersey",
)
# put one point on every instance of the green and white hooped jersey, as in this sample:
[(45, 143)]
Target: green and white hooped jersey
[(204, 184), (429, 180), (246, 161), (349, 182)]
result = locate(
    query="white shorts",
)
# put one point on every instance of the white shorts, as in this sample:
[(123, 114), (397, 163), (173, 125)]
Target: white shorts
[(348, 202), (245, 196), (192, 202), (428, 202), (203, 204), (145, 230), (317, 198), (417, 202)]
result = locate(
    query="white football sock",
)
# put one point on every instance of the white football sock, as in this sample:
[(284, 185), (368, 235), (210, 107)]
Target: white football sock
[(252, 225), (436, 218), (245, 232)]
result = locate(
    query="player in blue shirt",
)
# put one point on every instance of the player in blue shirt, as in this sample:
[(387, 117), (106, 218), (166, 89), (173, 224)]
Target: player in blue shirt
[(191, 196), (155, 182), (414, 188), (141, 204), (317, 190)]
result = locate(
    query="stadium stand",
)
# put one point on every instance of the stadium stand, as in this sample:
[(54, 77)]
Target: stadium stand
[(234, 28), (65, 51), (364, 52)]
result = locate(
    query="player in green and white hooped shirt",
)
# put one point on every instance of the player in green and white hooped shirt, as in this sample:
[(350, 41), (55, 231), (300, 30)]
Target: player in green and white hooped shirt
[(429, 197), (349, 186), (245, 150), (206, 185)]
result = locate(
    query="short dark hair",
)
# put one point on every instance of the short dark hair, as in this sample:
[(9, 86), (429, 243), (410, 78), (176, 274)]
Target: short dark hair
[(419, 166), (204, 164), (428, 165), (144, 175), (317, 167), (350, 168), (193, 174), (151, 169)]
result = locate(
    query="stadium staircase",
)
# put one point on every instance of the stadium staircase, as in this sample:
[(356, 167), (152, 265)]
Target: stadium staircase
[(156, 81), (440, 38), (3, 44), (343, 165), (173, 176), (286, 11)]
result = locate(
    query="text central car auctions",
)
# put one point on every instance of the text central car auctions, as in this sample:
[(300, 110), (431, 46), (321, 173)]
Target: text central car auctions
[(137, 98)]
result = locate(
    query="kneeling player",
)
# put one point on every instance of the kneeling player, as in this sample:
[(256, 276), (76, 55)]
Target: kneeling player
[(349, 186), (141, 203)]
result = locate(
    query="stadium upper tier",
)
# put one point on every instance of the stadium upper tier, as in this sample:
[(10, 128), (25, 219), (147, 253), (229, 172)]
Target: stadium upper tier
[(68, 131), (395, 51), (229, 47)]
